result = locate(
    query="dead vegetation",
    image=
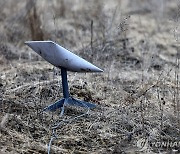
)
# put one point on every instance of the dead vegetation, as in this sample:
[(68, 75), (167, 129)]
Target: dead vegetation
[(137, 95)]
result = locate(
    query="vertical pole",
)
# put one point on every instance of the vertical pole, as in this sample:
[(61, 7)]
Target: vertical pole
[(64, 82)]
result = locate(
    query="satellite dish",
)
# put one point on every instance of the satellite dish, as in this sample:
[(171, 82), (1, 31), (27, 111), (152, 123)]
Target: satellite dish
[(66, 61), (61, 57)]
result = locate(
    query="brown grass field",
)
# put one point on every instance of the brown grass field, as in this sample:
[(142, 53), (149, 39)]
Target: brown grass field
[(136, 43)]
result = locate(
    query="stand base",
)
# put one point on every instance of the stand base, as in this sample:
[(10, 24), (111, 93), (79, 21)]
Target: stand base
[(68, 101)]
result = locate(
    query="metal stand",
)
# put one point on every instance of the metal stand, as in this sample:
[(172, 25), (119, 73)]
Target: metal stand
[(67, 100)]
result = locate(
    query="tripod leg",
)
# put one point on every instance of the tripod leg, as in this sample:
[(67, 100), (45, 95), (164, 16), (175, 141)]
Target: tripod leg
[(55, 106), (76, 102)]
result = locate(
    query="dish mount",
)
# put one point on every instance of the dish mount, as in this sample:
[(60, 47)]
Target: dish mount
[(66, 61)]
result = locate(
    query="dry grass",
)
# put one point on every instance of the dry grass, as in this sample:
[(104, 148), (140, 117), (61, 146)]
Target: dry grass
[(137, 95)]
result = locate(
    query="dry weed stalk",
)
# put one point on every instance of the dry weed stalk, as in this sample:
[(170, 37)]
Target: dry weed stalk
[(4, 122), (176, 93), (176, 90), (62, 9), (92, 35), (34, 22)]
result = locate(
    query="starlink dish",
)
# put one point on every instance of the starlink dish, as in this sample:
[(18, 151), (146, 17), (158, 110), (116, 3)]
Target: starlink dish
[(61, 57), (66, 61)]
